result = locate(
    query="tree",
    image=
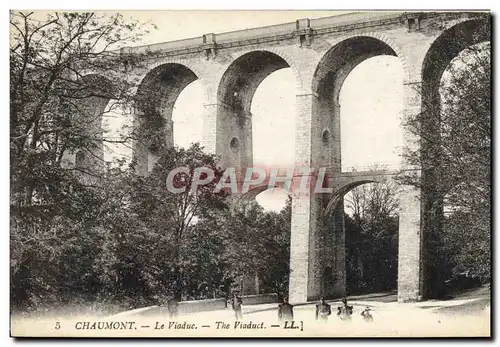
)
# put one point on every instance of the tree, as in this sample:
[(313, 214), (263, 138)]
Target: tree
[(64, 69), (371, 237), (456, 153), (171, 216), (157, 243), (246, 239), (257, 244), (86, 233), (277, 274)]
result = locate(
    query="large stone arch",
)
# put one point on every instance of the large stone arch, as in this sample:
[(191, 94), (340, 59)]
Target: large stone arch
[(439, 55), (443, 49), (299, 85), (332, 230), (391, 48), (449, 44), (200, 68), (89, 95), (94, 91), (325, 268), (253, 192), (441, 52), (338, 195), (154, 103), (330, 73), (235, 92), (103, 85), (160, 88)]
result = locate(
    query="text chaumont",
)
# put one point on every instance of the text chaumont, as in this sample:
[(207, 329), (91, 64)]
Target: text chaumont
[(104, 325)]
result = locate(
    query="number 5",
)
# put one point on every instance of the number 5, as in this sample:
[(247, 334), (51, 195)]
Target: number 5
[(58, 326)]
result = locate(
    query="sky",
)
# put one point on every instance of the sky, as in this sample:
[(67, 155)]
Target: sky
[(371, 98)]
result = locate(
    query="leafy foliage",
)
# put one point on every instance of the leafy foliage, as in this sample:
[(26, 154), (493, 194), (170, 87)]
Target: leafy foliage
[(371, 238), (456, 161), (258, 244)]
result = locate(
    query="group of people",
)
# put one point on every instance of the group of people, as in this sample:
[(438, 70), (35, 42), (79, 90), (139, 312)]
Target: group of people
[(323, 311), (344, 312), (285, 310)]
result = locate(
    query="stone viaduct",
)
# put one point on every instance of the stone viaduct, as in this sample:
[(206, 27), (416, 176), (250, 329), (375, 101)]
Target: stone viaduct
[(321, 53)]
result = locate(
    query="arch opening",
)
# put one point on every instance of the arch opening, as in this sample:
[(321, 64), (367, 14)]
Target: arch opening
[(85, 103), (273, 117), (155, 101), (117, 126), (244, 75), (270, 199), (80, 159), (331, 77), (449, 45), (269, 221), (338, 62), (234, 144), (443, 51), (326, 137), (366, 214), (337, 197), (235, 94), (371, 225), (372, 103), (456, 120), (161, 87), (274, 199), (187, 115)]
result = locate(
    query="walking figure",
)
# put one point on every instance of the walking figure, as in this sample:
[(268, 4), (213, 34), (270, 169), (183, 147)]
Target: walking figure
[(172, 306), (236, 303), (285, 311), (344, 312), (367, 317), (323, 310)]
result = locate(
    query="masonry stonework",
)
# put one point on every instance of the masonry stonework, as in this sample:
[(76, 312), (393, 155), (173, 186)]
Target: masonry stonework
[(321, 53)]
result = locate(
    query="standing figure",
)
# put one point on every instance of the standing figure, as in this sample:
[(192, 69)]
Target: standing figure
[(285, 311), (236, 303), (344, 312), (172, 306), (323, 310), (367, 317)]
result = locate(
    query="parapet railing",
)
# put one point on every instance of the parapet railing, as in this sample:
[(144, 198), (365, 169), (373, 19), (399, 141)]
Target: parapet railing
[(278, 29), (302, 27), (353, 18), (169, 46), (302, 30)]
